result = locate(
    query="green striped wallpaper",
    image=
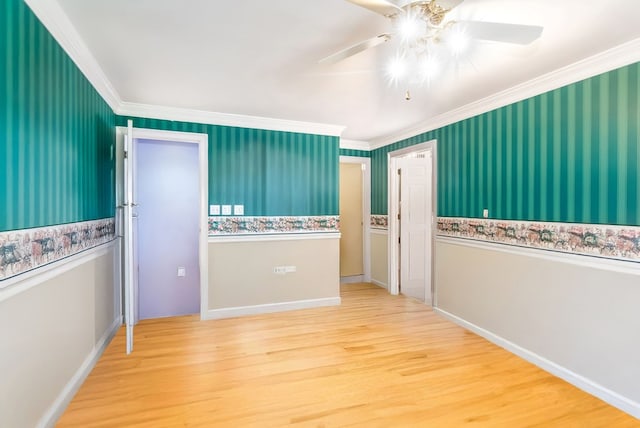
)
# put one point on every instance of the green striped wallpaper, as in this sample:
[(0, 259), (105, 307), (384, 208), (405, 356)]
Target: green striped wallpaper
[(568, 155), (272, 173), (56, 132), (356, 153)]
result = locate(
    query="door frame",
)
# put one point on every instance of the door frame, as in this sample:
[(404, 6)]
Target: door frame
[(202, 140), (393, 209), (366, 210)]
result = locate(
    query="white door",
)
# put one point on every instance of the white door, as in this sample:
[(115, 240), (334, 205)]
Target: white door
[(130, 274), (415, 226)]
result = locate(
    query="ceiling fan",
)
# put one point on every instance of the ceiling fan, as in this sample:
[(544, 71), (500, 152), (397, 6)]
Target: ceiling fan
[(421, 24)]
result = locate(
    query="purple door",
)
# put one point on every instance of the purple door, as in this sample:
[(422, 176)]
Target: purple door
[(167, 187)]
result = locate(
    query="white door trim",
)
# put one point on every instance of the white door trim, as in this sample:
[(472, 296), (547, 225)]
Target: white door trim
[(366, 210), (392, 210), (202, 140)]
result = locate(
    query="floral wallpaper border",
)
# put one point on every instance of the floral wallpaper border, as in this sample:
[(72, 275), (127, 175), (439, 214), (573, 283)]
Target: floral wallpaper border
[(257, 225), (615, 242), (27, 249), (379, 221)]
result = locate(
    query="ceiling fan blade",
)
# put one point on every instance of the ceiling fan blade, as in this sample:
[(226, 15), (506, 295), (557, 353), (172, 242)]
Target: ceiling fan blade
[(502, 32), (383, 7), (357, 48)]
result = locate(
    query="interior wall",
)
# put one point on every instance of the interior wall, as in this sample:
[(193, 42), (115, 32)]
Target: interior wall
[(57, 139), (48, 332), (582, 317), (56, 132), (379, 257), (568, 155), (271, 173), (241, 273)]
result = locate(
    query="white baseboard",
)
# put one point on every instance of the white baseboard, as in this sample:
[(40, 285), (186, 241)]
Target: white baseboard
[(270, 308), (60, 404), (378, 283), (623, 403)]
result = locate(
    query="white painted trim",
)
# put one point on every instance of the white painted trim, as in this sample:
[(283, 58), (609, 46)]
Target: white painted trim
[(354, 145), (379, 283), (366, 210), (619, 266), (62, 29), (23, 282), (226, 119), (353, 279), (202, 140), (58, 24), (271, 308), (619, 56), (623, 403), (379, 231), (55, 411), (392, 209), (255, 237)]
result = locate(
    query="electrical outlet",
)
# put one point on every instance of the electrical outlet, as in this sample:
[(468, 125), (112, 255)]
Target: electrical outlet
[(226, 210), (485, 213), (182, 271), (280, 270), (214, 209), (238, 210)]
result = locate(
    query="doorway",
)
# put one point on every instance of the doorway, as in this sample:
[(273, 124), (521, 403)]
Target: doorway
[(164, 156), (354, 219), (166, 187), (412, 207)]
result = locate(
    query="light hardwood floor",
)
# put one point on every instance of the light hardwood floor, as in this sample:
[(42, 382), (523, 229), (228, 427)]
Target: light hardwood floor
[(375, 361)]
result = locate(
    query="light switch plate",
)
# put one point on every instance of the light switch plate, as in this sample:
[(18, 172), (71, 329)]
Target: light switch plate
[(485, 213), (226, 210), (182, 271), (238, 210), (214, 209)]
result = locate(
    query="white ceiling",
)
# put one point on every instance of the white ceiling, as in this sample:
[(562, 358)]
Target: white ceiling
[(260, 58)]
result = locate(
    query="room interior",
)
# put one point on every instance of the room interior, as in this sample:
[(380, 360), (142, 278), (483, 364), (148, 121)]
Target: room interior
[(536, 222)]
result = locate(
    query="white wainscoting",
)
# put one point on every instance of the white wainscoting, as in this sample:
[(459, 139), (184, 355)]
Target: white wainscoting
[(55, 323), (574, 316)]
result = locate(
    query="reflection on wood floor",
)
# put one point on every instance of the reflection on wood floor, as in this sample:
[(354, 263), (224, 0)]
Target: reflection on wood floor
[(375, 361)]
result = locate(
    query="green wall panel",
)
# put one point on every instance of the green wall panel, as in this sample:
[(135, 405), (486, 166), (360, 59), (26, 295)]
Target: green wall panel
[(272, 173), (568, 155), (56, 132), (356, 153)]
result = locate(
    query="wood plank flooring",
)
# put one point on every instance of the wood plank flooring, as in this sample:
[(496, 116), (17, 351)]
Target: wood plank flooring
[(375, 361)]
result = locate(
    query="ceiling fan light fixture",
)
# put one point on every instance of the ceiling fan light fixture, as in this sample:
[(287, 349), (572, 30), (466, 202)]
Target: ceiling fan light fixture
[(397, 69), (410, 28), (457, 40)]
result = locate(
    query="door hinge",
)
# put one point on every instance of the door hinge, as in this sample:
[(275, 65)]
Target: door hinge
[(398, 216), (126, 154), (399, 171), (398, 240)]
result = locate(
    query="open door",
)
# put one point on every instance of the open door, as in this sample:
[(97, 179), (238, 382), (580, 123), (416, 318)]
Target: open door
[(130, 276)]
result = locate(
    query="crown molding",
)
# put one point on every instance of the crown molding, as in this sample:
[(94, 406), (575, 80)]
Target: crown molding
[(58, 24), (226, 119), (619, 56), (63, 31), (354, 145)]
